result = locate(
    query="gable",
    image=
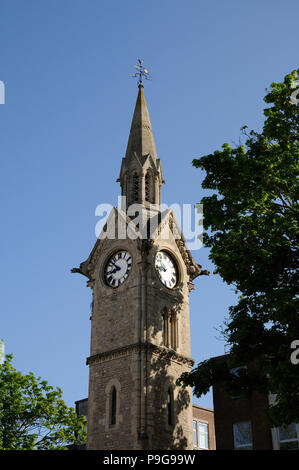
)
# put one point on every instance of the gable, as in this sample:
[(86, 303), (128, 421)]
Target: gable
[(160, 226)]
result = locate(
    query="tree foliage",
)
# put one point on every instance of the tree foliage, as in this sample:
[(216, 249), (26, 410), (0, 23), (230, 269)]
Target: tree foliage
[(251, 223), (33, 414)]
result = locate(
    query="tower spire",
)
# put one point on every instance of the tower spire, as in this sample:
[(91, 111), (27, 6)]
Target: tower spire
[(141, 139), (141, 173)]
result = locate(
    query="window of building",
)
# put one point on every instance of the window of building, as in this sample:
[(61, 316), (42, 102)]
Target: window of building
[(135, 187), (203, 435), (237, 372), (148, 187), (164, 327), (169, 329), (194, 433), (243, 436), (113, 397), (173, 331), (288, 437)]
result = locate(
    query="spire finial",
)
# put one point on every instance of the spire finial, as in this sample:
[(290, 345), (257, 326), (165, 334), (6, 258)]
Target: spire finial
[(141, 72)]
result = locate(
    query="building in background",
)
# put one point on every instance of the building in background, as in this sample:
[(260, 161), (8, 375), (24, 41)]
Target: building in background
[(203, 428), (241, 424)]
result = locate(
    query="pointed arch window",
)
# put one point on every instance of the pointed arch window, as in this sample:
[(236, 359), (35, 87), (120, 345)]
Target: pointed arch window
[(136, 187), (171, 332), (148, 187), (169, 329), (113, 398), (164, 327)]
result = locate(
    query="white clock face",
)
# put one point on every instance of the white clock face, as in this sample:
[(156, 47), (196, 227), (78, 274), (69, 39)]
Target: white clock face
[(166, 269), (118, 268)]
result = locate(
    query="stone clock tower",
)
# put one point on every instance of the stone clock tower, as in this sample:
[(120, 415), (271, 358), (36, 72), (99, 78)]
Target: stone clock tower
[(140, 328)]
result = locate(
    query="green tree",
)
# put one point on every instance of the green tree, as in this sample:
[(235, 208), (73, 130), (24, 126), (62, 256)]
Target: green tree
[(33, 414), (251, 223)]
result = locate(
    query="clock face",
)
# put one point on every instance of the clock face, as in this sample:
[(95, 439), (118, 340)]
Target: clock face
[(118, 268), (166, 269)]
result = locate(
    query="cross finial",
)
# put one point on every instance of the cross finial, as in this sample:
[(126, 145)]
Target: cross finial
[(141, 72)]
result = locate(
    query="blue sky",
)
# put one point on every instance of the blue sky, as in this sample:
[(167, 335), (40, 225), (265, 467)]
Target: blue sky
[(64, 129)]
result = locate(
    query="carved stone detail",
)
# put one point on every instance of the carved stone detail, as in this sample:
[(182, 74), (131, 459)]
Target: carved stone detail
[(161, 351)]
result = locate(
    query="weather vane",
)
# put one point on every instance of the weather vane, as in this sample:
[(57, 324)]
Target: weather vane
[(141, 72)]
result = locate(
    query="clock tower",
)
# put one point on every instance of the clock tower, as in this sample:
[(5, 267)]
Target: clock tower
[(140, 272)]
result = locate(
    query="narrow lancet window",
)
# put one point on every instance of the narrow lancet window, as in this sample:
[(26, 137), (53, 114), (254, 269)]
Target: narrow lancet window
[(135, 187), (148, 187), (165, 327), (173, 328), (113, 398), (171, 331)]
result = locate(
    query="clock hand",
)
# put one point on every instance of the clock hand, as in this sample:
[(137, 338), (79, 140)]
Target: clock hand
[(163, 267), (116, 268), (160, 267)]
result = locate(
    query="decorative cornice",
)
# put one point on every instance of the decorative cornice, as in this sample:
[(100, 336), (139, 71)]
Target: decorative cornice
[(161, 351)]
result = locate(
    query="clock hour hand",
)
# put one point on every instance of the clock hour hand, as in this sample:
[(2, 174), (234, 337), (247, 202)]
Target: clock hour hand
[(161, 266), (116, 268)]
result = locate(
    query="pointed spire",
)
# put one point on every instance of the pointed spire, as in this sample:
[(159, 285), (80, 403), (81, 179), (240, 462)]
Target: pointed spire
[(141, 175), (141, 139)]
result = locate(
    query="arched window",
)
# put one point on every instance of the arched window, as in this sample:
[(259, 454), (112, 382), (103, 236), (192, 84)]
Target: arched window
[(113, 398), (169, 329), (148, 187), (169, 407), (172, 330), (165, 327), (135, 188)]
